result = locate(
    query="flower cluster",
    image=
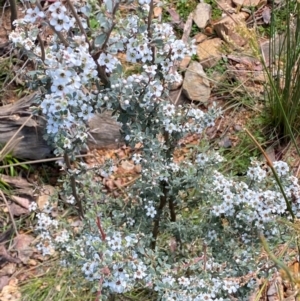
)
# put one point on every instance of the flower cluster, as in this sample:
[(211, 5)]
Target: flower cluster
[(164, 233)]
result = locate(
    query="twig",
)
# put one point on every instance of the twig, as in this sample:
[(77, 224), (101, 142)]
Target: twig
[(75, 15), (178, 96), (103, 235), (120, 187), (41, 42), (150, 17), (43, 160), (73, 186), (172, 210), (59, 34), (13, 12), (99, 291), (10, 213), (162, 204)]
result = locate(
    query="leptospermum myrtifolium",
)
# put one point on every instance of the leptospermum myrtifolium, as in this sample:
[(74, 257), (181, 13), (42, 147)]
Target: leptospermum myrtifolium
[(182, 231)]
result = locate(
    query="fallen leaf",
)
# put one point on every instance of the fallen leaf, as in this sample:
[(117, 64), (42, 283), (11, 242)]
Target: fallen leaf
[(44, 198), (21, 201), (17, 210), (6, 235), (22, 245), (157, 11), (3, 281), (11, 291), (4, 256), (175, 18), (8, 269), (126, 165)]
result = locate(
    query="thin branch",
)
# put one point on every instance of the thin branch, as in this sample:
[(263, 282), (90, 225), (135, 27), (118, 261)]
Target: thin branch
[(162, 204), (73, 186), (41, 42), (10, 213), (75, 15), (172, 210), (43, 160), (59, 34), (150, 17), (13, 12)]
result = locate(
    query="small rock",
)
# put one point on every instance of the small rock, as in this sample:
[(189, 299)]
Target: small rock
[(243, 3), (209, 52), (157, 11), (178, 97), (202, 15), (226, 30), (225, 142), (45, 196), (200, 37), (237, 127), (195, 84), (184, 63)]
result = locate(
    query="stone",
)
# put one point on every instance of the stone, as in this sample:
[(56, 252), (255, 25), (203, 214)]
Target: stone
[(196, 86), (200, 37), (202, 15), (157, 11), (226, 30), (225, 142), (184, 63), (209, 53), (243, 3)]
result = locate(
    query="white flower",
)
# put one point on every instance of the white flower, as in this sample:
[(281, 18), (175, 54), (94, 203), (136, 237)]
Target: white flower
[(169, 110), (70, 199), (109, 61), (33, 206), (184, 281), (33, 14), (115, 242), (281, 168), (62, 76), (151, 211), (230, 286), (62, 22), (142, 2), (151, 70), (58, 8), (136, 158)]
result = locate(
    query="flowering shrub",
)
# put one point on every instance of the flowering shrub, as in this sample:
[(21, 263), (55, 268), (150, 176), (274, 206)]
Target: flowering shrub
[(182, 231)]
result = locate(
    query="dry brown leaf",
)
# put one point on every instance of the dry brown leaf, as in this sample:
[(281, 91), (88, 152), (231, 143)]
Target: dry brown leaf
[(45, 196), (126, 165), (3, 281), (17, 210), (11, 291), (24, 202), (5, 256), (8, 269), (22, 245), (157, 11)]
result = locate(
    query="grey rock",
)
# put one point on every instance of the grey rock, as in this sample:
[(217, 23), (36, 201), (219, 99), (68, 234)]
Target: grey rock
[(202, 14), (225, 142), (209, 52), (196, 86)]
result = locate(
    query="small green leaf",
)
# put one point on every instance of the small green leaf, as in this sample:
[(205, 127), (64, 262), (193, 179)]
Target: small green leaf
[(99, 40)]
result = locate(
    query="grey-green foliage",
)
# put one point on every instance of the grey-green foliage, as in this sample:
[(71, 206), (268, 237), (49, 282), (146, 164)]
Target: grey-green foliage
[(182, 231)]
